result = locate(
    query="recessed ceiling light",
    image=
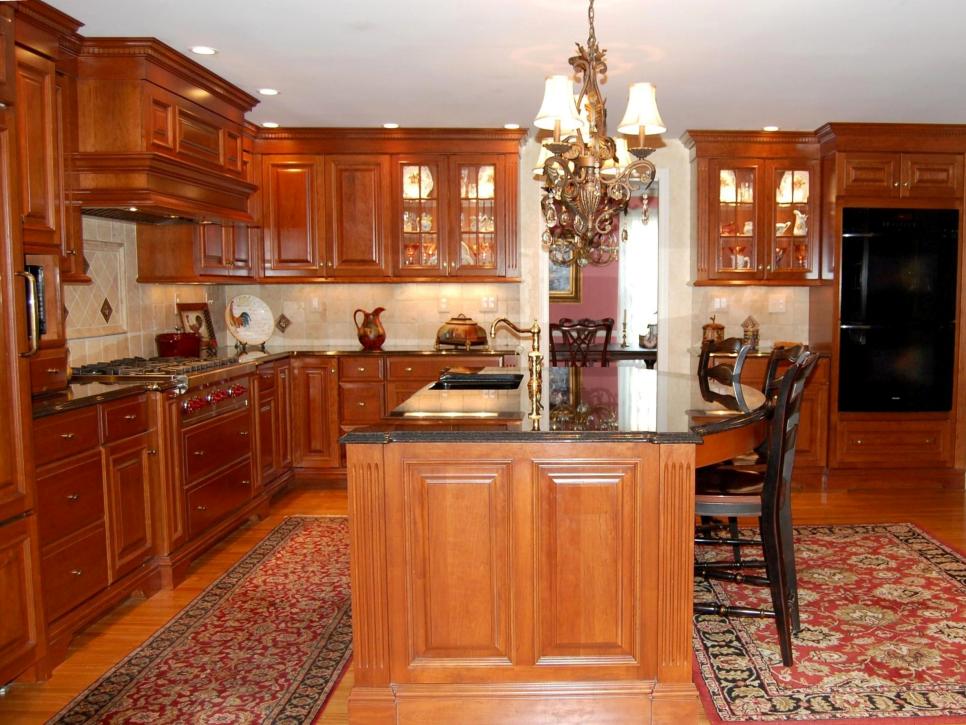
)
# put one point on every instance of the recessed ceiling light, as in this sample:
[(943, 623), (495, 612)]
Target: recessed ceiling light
[(268, 91), (769, 128), (132, 208), (270, 124), (511, 126), (203, 50), (390, 125)]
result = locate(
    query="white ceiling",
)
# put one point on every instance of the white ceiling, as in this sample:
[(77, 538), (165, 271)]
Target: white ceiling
[(716, 63)]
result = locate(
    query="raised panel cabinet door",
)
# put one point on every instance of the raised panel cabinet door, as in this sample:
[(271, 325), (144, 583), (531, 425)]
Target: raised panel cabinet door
[(214, 249), (241, 250), (8, 76), (129, 474), (292, 192), (316, 422), (477, 243), (283, 397), (71, 235), (267, 439), (20, 626), (867, 174), (811, 441), (420, 215), (358, 193), (932, 175), (735, 219), (37, 134)]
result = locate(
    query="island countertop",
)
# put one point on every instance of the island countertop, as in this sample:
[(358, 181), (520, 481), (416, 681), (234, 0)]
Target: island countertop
[(622, 402)]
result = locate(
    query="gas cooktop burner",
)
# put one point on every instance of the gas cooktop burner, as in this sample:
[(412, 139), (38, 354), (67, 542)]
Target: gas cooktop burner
[(160, 366)]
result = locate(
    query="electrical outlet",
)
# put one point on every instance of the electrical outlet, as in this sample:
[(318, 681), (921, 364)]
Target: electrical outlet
[(776, 304), (316, 304), (443, 305), (719, 304)]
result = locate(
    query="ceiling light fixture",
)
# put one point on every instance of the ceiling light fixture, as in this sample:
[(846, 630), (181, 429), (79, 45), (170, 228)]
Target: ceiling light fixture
[(511, 126), (269, 124), (203, 50), (769, 128), (268, 91), (586, 184), (390, 125)]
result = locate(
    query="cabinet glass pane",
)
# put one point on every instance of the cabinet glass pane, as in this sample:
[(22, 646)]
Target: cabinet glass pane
[(477, 224), (790, 251), (420, 216), (736, 219)]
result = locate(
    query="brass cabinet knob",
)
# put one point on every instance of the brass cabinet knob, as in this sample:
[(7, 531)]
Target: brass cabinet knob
[(362, 404), (66, 436), (130, 417), (53, 371), (245, 482), (198, 453), (201, 508), (243, 433), (409, 370), (361, 369), (73, 497), (152, 451), (76, 572)]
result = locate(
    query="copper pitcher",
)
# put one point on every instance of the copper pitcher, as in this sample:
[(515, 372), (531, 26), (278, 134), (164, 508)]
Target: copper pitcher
[(371, 332)]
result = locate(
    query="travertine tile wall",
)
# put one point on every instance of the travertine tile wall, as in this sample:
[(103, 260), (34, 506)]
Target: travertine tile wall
[(789, 325), (141, 310), (322, 313)]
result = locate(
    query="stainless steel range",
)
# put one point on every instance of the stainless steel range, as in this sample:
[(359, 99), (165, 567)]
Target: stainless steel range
[(182, 372)]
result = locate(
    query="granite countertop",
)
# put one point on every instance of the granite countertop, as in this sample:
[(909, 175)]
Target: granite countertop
[(626, 402), (81, 395)]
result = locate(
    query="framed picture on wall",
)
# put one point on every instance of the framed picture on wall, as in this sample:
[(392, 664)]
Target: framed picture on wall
[(564, 283), (195, 317)]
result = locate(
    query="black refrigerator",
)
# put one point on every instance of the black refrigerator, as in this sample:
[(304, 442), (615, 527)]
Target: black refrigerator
[(898, 309)]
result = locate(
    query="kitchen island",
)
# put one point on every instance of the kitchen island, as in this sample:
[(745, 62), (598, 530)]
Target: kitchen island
[(506, 574)]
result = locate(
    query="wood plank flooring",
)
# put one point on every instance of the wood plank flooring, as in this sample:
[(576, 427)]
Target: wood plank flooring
[(940, 512)]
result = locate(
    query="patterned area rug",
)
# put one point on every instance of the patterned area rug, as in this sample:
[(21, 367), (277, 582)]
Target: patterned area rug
[(883, 636), (266, 642)]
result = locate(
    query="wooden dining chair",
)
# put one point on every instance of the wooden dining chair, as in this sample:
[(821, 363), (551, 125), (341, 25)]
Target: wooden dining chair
[(733, 491), (726, 373), (580, 343)]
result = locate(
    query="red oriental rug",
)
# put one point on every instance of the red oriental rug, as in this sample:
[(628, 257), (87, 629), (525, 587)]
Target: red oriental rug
[(266, 642), (883, 637)]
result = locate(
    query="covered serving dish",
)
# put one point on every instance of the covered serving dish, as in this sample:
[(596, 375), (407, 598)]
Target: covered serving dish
[(460, 331)]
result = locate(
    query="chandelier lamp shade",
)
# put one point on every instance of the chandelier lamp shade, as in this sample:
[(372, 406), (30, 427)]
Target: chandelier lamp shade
[(588, 178)]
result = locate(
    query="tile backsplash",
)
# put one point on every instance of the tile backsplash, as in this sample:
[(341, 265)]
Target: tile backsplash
[(781, 312), (138, 311)]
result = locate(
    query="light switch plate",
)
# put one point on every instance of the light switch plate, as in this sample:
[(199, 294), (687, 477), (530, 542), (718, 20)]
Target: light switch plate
[(443, 305)]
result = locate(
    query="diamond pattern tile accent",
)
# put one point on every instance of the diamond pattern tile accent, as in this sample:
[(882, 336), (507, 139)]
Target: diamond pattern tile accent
[(282, 323), (106, 310)]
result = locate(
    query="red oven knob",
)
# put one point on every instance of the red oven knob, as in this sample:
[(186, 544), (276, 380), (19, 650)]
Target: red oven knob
[(219, 395), (237, 390)]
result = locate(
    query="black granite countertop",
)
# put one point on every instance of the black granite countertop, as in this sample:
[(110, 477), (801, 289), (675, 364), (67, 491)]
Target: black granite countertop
[(626, 402), (81, 395)]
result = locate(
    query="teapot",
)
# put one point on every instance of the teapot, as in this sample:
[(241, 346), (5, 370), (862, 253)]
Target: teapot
[(371, 332)]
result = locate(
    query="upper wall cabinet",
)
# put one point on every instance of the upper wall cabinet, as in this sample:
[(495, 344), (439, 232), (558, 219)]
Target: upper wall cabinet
[(756, 206), (899, 175), (159, 132)]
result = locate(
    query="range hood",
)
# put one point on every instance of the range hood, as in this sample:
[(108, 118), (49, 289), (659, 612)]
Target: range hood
[(161, 139)]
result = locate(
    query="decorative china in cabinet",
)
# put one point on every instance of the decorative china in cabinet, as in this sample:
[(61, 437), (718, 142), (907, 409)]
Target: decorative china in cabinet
[(451, 216), (757, 207)]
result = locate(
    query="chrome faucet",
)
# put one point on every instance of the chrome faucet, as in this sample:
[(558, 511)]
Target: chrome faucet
[(534, 365)]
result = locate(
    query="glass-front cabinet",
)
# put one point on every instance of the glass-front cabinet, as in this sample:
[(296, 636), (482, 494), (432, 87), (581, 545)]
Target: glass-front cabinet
[(451, 216), (757, 207)]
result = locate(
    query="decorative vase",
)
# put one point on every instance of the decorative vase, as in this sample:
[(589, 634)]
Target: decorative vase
[(371, 332)]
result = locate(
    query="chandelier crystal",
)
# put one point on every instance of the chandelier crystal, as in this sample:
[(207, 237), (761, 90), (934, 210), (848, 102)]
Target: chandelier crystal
[(587, 186)]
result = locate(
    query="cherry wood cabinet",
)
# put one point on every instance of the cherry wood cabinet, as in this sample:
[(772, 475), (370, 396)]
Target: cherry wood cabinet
[(315, 416), (128, 483), (274, 440), (357, 194), (452, 215), (21, 626), (756, 207), (292, 216), (900, 175), (8, 76), (224, 250)]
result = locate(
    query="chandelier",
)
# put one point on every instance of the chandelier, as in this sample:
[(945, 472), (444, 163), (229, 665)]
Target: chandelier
[(587, 186)]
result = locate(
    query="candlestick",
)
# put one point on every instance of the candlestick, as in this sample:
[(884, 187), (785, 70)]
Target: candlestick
[(624, 332)]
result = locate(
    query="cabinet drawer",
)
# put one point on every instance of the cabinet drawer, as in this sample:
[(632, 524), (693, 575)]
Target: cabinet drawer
[(360, 368), (48, 370), (125, 418), (216, 443), (428, 367), (70, 496), (74, 573), (398, 393), (212, 501), (65, 434), (894, 444), (360, 402)]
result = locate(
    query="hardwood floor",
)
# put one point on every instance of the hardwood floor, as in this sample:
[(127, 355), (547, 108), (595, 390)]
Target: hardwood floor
[(940, 512)]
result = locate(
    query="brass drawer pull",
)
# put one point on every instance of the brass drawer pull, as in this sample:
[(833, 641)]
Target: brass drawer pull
[(198, 453), (361, 369), (76, 572), (66, 436), (362, 404), (152, 451), (243, 432), (409, 370), (245, 482), (73, 496), (201, 508), (53, 371), (130, 417)]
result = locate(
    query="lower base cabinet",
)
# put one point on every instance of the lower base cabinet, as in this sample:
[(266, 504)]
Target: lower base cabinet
[(315, 413), (20, 625), (128, 482)]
